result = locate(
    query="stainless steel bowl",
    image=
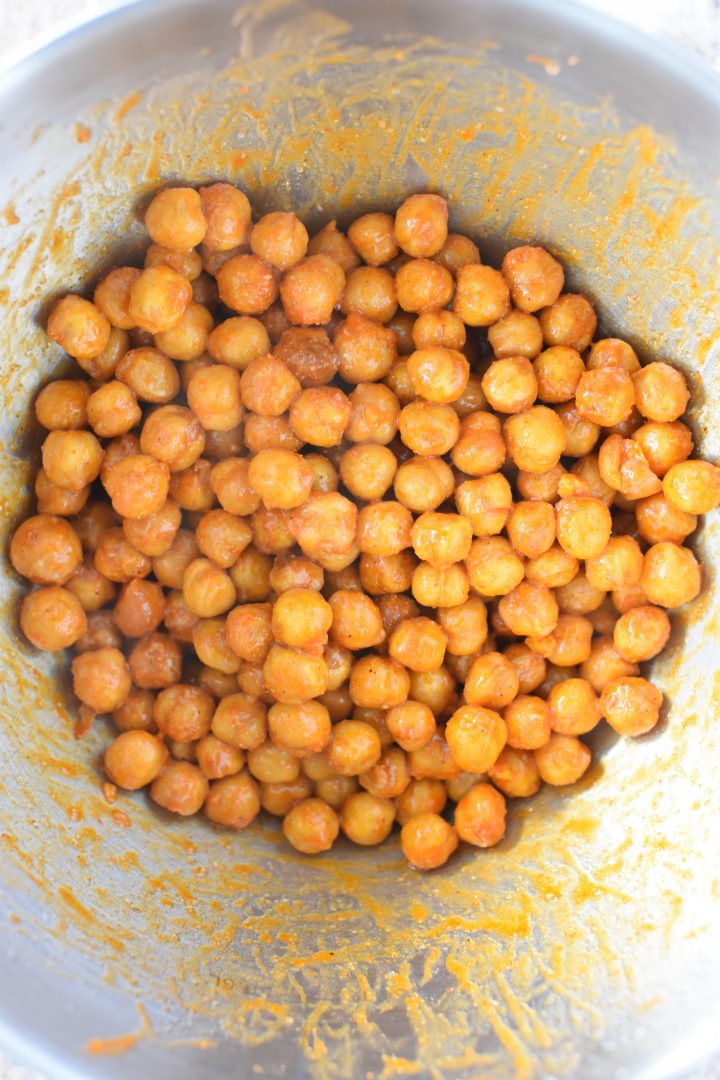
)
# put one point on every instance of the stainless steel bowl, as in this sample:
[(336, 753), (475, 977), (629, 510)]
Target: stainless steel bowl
[(587, 943)]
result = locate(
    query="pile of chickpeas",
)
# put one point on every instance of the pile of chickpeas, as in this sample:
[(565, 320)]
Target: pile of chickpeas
[(354, 528)]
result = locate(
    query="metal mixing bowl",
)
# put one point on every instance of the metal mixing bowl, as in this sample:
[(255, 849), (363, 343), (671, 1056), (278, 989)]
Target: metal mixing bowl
[(587, 943)]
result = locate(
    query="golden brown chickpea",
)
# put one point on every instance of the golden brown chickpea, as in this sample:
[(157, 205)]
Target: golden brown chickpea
[(339, 661), (214, 396), (411, 724), (398, 380), (456, 252), (486, 502), (402, 324), (310, 290), (527, 719), (325, 476), (247, 284), (558, 371), (71, 459), (140, 608), (605, 396), (158, 299), (423, 285), (149, 374), (366, 819), (180, 788), (113, 410), (233, 801), (188, 263), (569, 321), (58, 501), (535, 439), (373, 237), (301, 619), (420, 797), (138, 485), (366, 350), (330, 241), (518, 334), (434, 760), (378, 682), (482, 296), (169, 567), (238, 341), (222, 444), (618, 566), (216, 758), (270, 531), (438, 374), (631, 706), (427, 841), (280, 239), (103, 365), (172, 434), (190, 488), (218, 683), (375, 414), (627, 598), (180, 621), (251, 576), (207, 590), (641, 633), (540, 487), (78, 327), (227, 213), (186, 340), (117, 449), (279, 799), (300, 729), (568, 644), (664, 445), (52, 618), (658, 520), (320, 415), (175, 219), (692, 486), (515, 773), (376, 719), (574, 707), (438, 328), (367, 470), (531, 668), (248, 631), (555, 567), (293, 675), (465, 626), (222, 537), (581, 435), (92, 589), (584, 525), (670, 575), (134, 759), (325, 524), (282, 479), (429, 428), (210, 642), (136, 712), (184, 712), (510, 385), (580, 596), (492, 682), (101, 679), (46, 550), (421, 225), (612, 352), (311, 826), (62, 405), (356, 620), (240, 721), (536, 279), (605, 664), (118, 560), (531, 528), (354, 748), (309, 354), (112, 296), (661, 392), (101, 633), (435, 587), (529, 610), (384, 528), (419, 644), (476, 736), (563, 760), (441, 539), (480, 816), (493, 566), (230, 483), (423, 483)]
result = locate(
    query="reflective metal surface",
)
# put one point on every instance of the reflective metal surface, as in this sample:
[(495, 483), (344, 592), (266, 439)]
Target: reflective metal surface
[(586, 944)]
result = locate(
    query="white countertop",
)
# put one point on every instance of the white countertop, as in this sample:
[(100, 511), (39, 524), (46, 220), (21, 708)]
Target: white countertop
[(694, 24)]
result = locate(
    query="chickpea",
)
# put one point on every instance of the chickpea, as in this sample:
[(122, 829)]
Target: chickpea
[(367, 470), (375, 414), (113, 410), (62, 405), (510, 385), (568, 644), (247, 284), (441, 539), (311, 288), (185, 712), (423, 285), (581, 435), (366, 350), (58, 501), (356, 620), (398, 380), (379, 682), (421, 225), (574, 707), (216, 758), (134, 759), (251, 576), (384, 528), (580, 596), (320, 415), (218, 683), (180, 621), (207, 589), (420, 797), (536, 279), (618, 566), (540, 486), (238, 341), (373, 238), (612, 352), (339, 661), (112, 296), (482, 296), (569, 321), (641, 633), (555, 567), (438, 374), (186, 340), (222, 537), (563, 760), (535, 439), (366, 819), (78, 327), (280, 239), (493, 567), (423, 483), (623, 467), (434, 760), (438, 329), (180, 788), (584, 525), (301, 619), (173, 435), (233, 801), (175, 219), (631, 706), (558, 371), (294, 676), (429, 428), (279, 799), (529, 610), (418, 643), (282, 478), (480, 816), (309, 355), (188, 263), (486, 502), (517, 334), (46, 550), (140, 608), (354, 748), (270, 531), (92, 589), (325, 524), (227, 213), (241, 721), (531, 668), (692, 486), (428, 841), (661, 392), (476, 736), (300, 729), (210, 641), (440, 587), (71, 459), (101, 679), (664, 444), (311, 826), (625, 599), (456, 252), (155, 662), (390, 775), (118, 560), (136, 712), (330, 241), (158, 299), (149, 374), (101, 633), (52, 618), (230, 483), (528, 722), (658, 520), (190, 488), (605, 664), (465, 626), (137, 485), (411, 724), (515, 773), (670, 575), (491, 682), (531, 528), (169, 567)]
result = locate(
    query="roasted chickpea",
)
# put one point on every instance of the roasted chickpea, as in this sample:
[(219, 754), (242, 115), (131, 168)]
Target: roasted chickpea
[(618, 566), (434, 760), (186, 340), (584, 525), (325, 524), (366, 350), (465, 626), (492, 682), (311, 826), (536, 279), (169, 567), (71, 459), (438, 374), (158, 299), (207, 589), (540, 486), (247, 284), (529, 610), (137, 485), (692, 486), (136, 712), (456, 252), (101, 633), (52, 618), (101, 679), (562, 760), (531, 528), (300, 729), (134, 759), (366, 819), (173, 435), (641, 633), (535, 439), (311, 288), (230, 483), (420, 797), (227, 213), (421, 225), (658, 520), (46, 550), (670, 575), (441, 539), (493, 567), (62, 405), (356, 620), (661, 392), (486, 502), (175, 219), (280, 239), (568, 644), (612, 352), (180, 788), (233, 801), (140, 608), (531, 668), (558, 371), (190, 488), (517, 334), (580, 596), (293, 675), (373, 237), (476, 736), (386, 573), (429, 427), (510, 385), (384, 528), (440, 587), (320, 415), (180, 621), (184, 712), (78, 327), (419, 644), (527, 719), (330, 241), (379, 682), (238, 341), (149, 374), (155, 662), (423, 285), (209, 639), (569, 321), (438, 329), (482, 296), (92, 589), (188, 263), (375, 414), (354, 748), (112, 296), (251, 576), (423, 483), (118, 560), (367, 470), (411, 724), (555, 567), (279, 799), (574, 707), (631, 706), (216, 758), (664, 444), (427, 841), (59, 501)]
